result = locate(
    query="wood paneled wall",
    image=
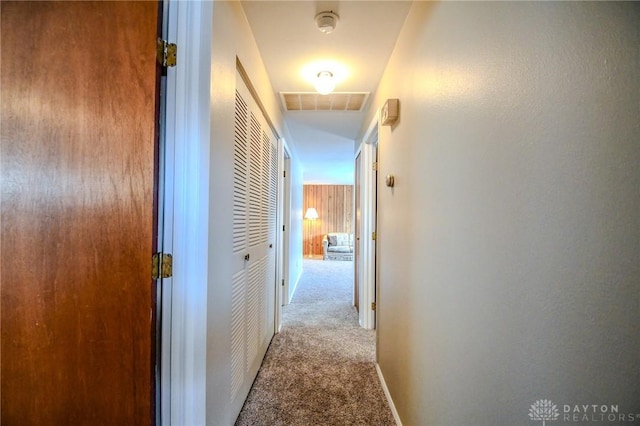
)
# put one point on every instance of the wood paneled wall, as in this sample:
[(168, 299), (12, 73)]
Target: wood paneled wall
[(334, 204)]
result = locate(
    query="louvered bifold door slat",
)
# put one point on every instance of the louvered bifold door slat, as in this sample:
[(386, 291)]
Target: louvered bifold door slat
[(254, 222), (240, 168), (272, 204), (266, 164), (238, 332), (255, 183), (256, 305), (240, 243)]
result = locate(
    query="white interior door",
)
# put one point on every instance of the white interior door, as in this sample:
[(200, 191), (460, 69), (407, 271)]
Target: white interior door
[(367, 255), (357, 273), (255, 187)]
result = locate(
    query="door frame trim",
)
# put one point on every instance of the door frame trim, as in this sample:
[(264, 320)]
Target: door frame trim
[(284, 213), (188, 128)]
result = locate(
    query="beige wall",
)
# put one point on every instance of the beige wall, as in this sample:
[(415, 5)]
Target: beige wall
[(510, 245)]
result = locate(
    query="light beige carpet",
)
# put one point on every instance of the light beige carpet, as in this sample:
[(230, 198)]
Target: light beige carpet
[(320, 369)]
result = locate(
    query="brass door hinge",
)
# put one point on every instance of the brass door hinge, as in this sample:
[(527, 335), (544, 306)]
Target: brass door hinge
[(375, 165), (167, 53), (374, 235), (373, 306), (161, 266)]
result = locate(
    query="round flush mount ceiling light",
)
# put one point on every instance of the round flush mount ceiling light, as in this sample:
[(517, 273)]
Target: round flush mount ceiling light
[(325, 82), (327, 21)]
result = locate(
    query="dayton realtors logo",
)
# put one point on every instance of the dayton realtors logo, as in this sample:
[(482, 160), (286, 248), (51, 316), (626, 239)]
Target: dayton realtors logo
[(545, 410)]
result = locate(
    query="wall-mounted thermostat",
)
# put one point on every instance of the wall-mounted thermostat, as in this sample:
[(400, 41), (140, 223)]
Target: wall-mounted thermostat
[(389, 112)]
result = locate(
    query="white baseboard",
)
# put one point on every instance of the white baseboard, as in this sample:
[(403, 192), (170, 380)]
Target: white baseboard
[(396, 417)]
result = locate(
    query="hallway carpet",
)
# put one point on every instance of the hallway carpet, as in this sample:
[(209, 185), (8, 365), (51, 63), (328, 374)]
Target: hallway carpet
[(319, 370)]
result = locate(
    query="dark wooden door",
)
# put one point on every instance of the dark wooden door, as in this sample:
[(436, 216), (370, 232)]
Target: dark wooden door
[(78, 158)]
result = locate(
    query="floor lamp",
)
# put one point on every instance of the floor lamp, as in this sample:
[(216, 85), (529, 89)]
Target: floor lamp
[(311, 215)]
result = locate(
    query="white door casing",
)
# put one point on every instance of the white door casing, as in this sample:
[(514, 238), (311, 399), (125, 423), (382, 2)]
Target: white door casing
[(187, 154), (285, 226)]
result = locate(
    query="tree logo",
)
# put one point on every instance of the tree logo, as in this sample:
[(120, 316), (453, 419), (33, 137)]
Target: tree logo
[(544, 409)]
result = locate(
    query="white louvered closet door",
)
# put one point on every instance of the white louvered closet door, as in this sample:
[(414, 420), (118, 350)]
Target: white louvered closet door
[(254, 242)]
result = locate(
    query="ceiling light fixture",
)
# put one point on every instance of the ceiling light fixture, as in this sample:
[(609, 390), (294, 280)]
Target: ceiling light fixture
[(325, 83), (327, 21)]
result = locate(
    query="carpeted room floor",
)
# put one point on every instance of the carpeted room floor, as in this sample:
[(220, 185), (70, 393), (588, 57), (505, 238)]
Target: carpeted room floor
[(319, 370)]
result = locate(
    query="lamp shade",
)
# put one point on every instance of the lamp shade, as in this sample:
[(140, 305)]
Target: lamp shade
[(311, 214)]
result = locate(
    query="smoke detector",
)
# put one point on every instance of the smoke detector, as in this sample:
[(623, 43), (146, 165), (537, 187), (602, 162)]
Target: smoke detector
[(327, 21)]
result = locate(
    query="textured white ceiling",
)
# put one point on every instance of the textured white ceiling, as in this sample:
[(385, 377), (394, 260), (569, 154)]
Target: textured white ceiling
[(359, 48)]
